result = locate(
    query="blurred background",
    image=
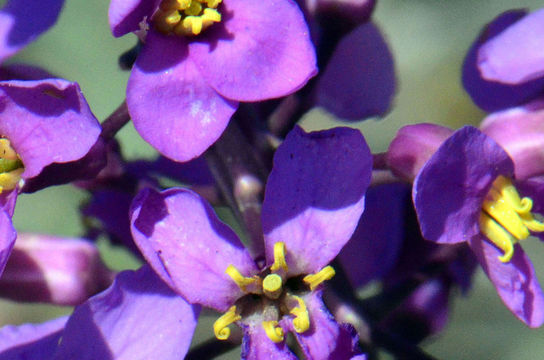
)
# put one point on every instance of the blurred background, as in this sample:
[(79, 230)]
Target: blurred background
[(428, 39)]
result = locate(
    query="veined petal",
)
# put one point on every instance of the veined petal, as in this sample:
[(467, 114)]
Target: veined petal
[(260, 50), (315, 195), (138, 317), (449, 190), (21, 21), (172, 106), (355, 90), (515, 281), (257, 346), (46, 121), (326, 339), (515, 55), (185, 242), (31, 341), (126, 15)]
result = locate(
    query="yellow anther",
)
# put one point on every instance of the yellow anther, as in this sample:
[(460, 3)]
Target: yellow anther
[(220, 326), (6, 151), (194, 9), (11, 167), (212, 3), (313, 280), (272, 286), (279, 258), (242, 281), (186, 17), (273, 331), (209, 17), (301, 322), (506, 218)]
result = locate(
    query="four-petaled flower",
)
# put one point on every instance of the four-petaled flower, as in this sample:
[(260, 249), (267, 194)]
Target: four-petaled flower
[(201, 58), (314, 198), (466, 192)]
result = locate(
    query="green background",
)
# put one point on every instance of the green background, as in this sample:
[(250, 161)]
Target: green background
[(428, 38)]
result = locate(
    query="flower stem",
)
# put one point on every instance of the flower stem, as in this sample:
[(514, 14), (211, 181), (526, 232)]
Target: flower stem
[(115, 122), (240, 176)]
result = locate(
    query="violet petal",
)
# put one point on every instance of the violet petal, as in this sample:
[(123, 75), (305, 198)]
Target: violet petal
[(138, 317), (326, 339), (260, 50), (172, 107), (515, 55), (449, 191), (515, 281), (7, 239), (257, 346), (359, 80), (375, 245), (31, 341), (46, 121), (520, 131), (125, 15), (492, 95), (315, 195), (185, 242), (21, 21)]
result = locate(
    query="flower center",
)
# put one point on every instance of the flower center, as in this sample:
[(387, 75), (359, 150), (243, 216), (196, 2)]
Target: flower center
[(11, 167), (186, 17), (506, 218), (272, 290)]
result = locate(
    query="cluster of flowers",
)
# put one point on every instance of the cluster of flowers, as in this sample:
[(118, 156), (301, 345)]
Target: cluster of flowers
[(216, 87)]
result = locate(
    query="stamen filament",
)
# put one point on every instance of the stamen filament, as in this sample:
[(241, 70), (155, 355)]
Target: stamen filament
[(244, 283), (313, 280), (301, 322), (273, 331), (279, 258), (220, 327), (498, 236), (506, 218)]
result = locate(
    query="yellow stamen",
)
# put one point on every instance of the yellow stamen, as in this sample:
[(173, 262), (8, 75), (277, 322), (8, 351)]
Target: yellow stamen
[(273, 331), (244, 283), (11, 167), (186, 17), (499, 236), (272, 286), (506, 218), (301, 322), (279, 258), (313, 280), (220, 327)]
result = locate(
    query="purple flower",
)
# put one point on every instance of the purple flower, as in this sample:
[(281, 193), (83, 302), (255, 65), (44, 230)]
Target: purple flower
[(21, 21), (187, 81), (505, 66), (42, 123), (314, 198), (466, 193)]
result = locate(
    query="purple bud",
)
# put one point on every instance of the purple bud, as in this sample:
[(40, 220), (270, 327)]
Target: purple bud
[(413, 146), (63, 271)]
